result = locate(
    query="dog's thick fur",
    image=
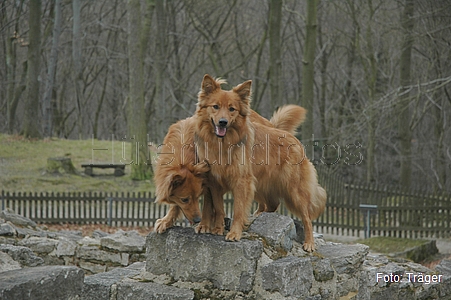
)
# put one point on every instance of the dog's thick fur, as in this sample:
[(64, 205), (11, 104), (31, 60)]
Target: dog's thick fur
[(246, 157), (277, 160), (178, 178), (224, 137)]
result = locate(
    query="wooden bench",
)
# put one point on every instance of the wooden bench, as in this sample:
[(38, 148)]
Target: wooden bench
[(119, 169)]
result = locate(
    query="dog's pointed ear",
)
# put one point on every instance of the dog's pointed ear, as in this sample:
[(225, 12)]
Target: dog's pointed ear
[(209, 85), (201, 168), (244, 90), (164, 190)]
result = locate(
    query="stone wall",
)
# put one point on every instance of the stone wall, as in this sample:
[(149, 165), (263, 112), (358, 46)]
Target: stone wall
[(268, 263), (21, 237)]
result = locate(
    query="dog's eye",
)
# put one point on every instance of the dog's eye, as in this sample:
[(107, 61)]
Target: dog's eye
[(215, 106), (231, 109), (185, 200)]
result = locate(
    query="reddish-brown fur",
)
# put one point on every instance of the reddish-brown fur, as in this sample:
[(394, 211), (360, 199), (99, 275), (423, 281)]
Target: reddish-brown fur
[(276, 158), (178, 180), (227, 154), (250, 151)]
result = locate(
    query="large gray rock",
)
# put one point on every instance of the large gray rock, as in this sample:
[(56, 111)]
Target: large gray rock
[(279, 231), (347, 261), (10, 215), (150, 291), (444, 267), (98, 287), (345, 258), (124, 241), (7, 230), (187, 256), (22, 255), (290, 276), (92, 253), (7, 263), (65, 247), (52, 282), (23, 232), (40, 245)]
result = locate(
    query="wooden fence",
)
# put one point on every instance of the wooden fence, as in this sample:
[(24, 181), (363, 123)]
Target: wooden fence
[(399, 213), (114, 209)]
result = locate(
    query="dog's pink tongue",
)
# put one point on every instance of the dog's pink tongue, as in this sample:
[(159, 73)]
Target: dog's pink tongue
[(220, 131)]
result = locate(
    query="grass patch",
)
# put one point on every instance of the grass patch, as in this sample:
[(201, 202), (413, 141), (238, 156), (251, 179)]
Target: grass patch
[(390, 244), (23, 164)]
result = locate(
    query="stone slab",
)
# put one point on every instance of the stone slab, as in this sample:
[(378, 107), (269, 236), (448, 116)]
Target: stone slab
[(187, 256), (22, 255), (151, 291), (42, 283), (278, 230), (290, 276), (124, 241), (97, 287)]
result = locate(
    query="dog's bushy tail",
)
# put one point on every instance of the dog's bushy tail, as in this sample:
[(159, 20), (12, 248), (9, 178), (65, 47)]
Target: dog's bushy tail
[(318, 203), (289, 118)]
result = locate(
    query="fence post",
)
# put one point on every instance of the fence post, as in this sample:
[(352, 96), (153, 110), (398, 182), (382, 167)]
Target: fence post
[(369, 210), (110, 211)]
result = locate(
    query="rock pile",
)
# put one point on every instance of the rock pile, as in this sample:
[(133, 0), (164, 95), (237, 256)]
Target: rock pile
[(268, 263), (23, 244)]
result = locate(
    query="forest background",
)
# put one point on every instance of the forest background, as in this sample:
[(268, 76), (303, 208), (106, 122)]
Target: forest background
[(375, 75)]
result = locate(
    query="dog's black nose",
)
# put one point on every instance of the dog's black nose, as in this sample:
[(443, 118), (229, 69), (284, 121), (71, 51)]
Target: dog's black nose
[(223, 122), (196, 220)]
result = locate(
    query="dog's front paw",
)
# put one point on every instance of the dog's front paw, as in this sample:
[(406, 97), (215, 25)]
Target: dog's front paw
[(202, 228), (233, 236), (309, 247), (218, 230), (161, 225)]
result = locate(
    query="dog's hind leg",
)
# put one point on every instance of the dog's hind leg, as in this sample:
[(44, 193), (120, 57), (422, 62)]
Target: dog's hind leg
[(261, 204), (298, 203), (265, 204)]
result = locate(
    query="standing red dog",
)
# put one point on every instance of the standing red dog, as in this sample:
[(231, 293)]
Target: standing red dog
[(244, 151), (251, 160)]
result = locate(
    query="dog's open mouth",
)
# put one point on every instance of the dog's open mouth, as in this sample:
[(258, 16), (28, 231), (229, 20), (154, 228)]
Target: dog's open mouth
[(220, 131)]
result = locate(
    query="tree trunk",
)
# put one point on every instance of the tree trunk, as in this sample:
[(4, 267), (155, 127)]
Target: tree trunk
[(13, 91), (371, 81), (30, 126), (159, 100), (136, 118), (275, 62), (404, 131), (308, 71), (47, 103), (76, 56)]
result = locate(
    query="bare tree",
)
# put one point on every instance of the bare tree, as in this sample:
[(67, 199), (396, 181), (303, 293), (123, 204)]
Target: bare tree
[(136, 120), (30, 125), (308, 72), (275, 62), (14, 89), (47, 105), (404, 132), (76, 57)]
